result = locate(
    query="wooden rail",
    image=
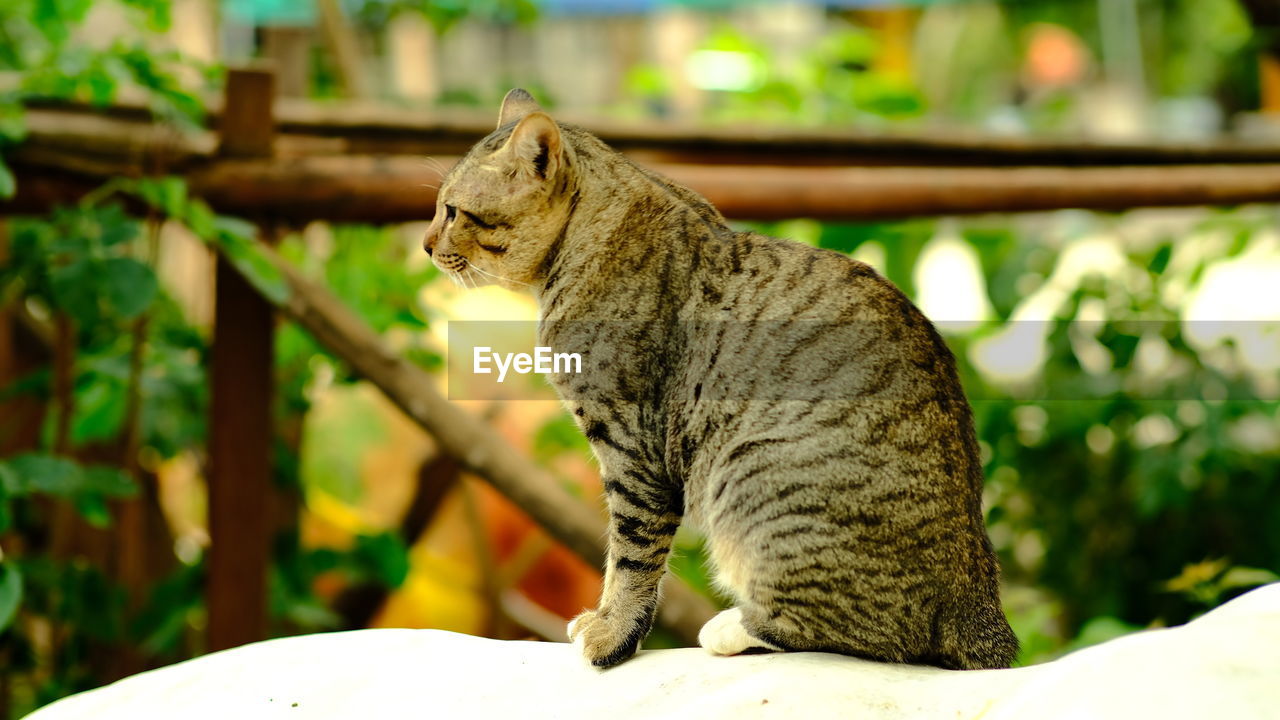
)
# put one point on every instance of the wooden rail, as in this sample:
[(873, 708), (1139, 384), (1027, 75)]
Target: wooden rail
[(379, 129), (384, 169)]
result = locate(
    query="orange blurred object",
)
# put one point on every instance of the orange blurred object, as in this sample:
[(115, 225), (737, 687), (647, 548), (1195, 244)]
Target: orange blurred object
[(1056, 57)]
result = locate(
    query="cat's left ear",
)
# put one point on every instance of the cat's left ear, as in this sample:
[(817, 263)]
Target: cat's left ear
[(517, 104), (535, 145)]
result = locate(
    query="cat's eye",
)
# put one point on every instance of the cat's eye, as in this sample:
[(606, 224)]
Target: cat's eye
[(472, 217), (450, 212)]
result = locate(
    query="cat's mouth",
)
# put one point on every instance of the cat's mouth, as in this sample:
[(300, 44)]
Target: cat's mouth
[(467, 274), (461, 271), (451, 263)]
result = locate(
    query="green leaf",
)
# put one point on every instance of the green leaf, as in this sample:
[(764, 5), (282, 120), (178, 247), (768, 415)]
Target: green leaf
[(48, 474), (8, 184), (109, 481), (238, 247), (116, 226), (558, 435), (157, 13), (75, 289), (129, 286), (161, 623), (99, 410), (1101, 629), (406, 316), (10, 594), (384, 556), (200, 219), (1243, 577), (93, 508), (10, 482), (167, 194), (227, 225), (312, 615), (13, 122)]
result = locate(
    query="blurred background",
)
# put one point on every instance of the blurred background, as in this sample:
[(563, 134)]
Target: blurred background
[(1123, 364)]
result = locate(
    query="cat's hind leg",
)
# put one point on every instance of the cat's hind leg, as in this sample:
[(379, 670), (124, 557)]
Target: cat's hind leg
[(727, 634), (737, 629)]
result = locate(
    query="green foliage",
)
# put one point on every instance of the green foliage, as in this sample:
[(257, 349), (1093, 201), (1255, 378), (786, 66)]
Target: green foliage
[(80, 262), (381, 560), (291, 585), (90, 262), (234, 239), (1105, 480), (370, 269), (558, 435), (87, 487), (1099, 630), (38, 42), (59, 476), (833, 82), (74, 598), (173, 606), (10, 594), (1206, 583), (379, 274), (1198, 45), (1106, 477), (445, 14), (332, 461), (8, 184)]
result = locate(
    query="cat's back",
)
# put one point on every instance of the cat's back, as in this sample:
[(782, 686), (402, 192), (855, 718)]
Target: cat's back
[(802, 355), (800, 313)]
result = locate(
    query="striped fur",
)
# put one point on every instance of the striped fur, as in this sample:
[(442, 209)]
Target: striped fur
[(788, 400)]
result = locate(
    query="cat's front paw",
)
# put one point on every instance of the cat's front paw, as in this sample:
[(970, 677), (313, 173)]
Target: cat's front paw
[(603, 639)]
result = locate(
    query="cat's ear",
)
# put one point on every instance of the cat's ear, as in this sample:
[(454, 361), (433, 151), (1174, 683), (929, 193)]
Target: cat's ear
[(535, 144), (516, 105)]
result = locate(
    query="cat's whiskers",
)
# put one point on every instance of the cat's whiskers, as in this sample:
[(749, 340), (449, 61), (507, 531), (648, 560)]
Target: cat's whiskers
[(495, 276), (436, 165)]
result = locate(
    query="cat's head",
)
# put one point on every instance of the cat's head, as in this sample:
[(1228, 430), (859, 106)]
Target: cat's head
[(502, 207)]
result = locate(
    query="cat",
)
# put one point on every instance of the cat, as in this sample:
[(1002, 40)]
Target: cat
[(787, 400)]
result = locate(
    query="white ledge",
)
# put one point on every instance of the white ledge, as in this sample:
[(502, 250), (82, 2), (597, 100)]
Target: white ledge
[(1225, 664)]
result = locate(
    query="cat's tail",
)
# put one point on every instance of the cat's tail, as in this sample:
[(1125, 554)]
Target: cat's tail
[(975, 635)]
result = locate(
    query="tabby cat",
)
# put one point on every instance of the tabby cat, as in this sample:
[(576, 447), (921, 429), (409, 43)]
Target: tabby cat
[(789, 401)]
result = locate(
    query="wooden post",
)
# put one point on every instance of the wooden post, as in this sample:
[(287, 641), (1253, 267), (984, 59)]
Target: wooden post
[(240, 429)]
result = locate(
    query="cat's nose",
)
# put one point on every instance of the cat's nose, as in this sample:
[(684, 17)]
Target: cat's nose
[(429, 240)]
